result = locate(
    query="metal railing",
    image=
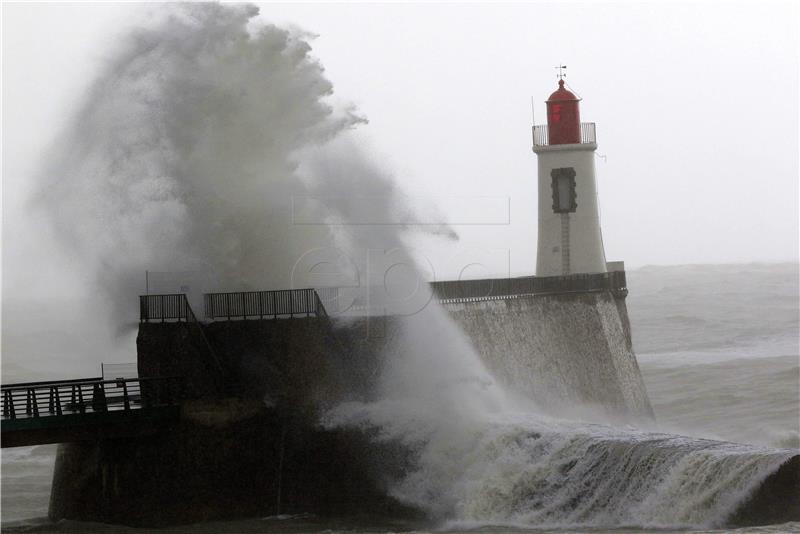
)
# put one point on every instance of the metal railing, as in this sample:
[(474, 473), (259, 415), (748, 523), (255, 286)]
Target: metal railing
[(87, 395), (164, 308), (468, 290), (541, 135), (264, 304)]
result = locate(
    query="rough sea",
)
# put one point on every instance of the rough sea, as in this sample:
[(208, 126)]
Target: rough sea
[(719, 350)]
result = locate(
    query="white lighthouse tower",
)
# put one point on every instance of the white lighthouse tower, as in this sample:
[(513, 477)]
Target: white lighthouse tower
[(569, 222)]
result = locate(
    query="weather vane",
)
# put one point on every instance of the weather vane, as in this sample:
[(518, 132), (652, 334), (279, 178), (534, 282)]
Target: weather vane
[(561, 74)]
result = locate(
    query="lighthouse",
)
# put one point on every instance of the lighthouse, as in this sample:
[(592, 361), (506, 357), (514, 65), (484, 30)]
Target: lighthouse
[(570, 241)]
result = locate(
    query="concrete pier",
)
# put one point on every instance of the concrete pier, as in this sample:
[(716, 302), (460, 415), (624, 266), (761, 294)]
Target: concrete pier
[(248, 441)]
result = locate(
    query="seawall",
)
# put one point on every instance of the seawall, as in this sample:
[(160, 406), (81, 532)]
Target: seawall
[(561, 350), (248, 441)]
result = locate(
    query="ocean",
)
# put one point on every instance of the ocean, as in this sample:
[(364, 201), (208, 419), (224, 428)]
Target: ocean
[(719, 350)]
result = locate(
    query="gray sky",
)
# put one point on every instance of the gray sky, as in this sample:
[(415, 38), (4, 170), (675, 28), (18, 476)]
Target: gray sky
[(696, 106)]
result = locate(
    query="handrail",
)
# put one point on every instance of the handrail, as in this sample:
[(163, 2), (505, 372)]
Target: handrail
[(68, 381), (264, 304), (163, 308), (541, 134), (69, 397)]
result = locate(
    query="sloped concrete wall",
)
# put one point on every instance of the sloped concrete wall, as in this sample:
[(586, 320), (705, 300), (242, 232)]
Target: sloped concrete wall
[(567, 351), (562, 351)]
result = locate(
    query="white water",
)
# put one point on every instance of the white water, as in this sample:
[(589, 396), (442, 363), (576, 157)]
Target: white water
[(482, 458), (534, 474), (529, 471)]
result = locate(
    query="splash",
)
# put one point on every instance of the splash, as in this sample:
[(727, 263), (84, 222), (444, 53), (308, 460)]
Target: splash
[(478, 456), (528, 470), (183, 155)]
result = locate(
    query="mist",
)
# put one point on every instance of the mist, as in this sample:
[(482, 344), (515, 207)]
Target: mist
[(181, 157), (203, 144)]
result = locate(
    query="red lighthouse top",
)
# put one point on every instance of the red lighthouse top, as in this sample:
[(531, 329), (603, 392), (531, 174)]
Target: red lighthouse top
[(562, 94), (563, 117)]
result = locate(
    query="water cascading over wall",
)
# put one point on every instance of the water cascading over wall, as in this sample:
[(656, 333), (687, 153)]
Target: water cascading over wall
[(561, 350), (564, 341)]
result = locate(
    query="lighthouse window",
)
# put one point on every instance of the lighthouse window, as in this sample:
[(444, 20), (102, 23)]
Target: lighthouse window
[(564, 196)]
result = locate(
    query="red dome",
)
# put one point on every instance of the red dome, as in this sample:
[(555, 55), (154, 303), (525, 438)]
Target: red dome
[(562, 95)]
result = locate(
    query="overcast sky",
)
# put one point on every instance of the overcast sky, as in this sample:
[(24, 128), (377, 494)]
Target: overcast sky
[(696, 106)]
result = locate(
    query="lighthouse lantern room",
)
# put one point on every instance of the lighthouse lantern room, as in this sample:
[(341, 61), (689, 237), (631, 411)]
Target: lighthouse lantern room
[(570, 240), (563, 117)]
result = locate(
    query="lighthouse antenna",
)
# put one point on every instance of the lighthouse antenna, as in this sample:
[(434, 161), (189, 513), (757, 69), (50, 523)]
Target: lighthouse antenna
[(533, 112), (561, 74)]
